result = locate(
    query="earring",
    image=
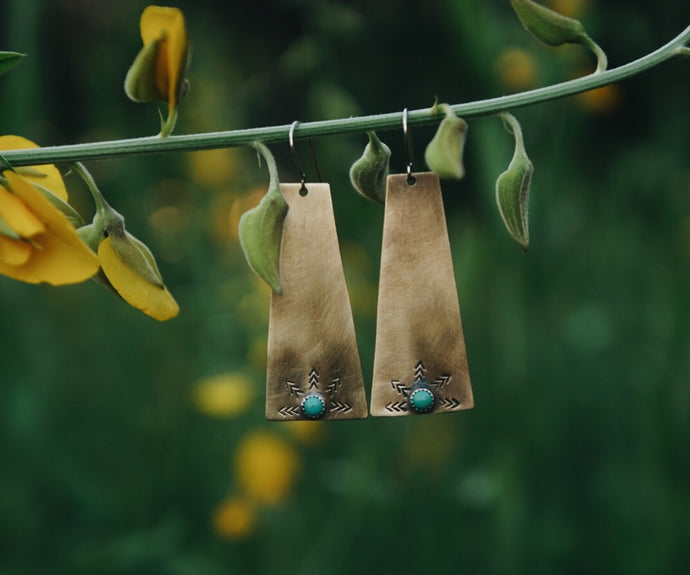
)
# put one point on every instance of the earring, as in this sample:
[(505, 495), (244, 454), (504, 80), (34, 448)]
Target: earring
[(313, 369), (420, 364)]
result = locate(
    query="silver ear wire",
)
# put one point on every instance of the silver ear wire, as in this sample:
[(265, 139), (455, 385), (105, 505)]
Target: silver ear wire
[(303, 176), (408, 149)]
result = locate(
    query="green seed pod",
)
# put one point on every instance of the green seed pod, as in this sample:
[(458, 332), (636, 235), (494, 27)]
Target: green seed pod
[(140, 82), (368, 174), (261, 228), (512, 189), (261, 235), (9, 60), (443, 155), (548, 26)]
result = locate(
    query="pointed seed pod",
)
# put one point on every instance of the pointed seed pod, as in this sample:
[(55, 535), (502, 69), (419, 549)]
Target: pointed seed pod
[(9, 60), (368, 174), (548, 26), (512, 189), (261, 228), (444, 153)]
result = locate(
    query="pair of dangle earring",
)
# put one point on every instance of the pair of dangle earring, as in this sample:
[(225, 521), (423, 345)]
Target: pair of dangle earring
[(420, 363)]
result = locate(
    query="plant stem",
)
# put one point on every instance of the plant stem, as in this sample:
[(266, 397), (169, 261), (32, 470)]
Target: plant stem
[(602, 60), (102, 206), (390, 121)]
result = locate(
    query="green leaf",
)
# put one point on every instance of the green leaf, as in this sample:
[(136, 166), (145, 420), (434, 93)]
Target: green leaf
[(9, 60)]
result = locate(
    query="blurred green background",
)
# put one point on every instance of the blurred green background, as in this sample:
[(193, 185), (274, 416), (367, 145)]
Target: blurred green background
[(129, 446)]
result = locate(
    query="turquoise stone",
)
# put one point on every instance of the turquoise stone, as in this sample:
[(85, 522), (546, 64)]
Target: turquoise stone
[(313, 405), (422, 400)]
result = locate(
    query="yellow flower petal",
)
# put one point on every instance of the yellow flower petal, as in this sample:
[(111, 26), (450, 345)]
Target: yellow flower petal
[(223, 395), (46, 175), (266, 467), (16, 215), (162, 22), (135, 290), (58, 255), (14, 252)]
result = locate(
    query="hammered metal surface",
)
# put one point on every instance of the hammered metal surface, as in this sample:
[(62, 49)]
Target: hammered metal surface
[(419, 338), (311, 335)]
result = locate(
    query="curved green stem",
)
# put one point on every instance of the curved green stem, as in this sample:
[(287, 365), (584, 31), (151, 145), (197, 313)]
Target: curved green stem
[(390, 121), (602, 60), (511, 121)]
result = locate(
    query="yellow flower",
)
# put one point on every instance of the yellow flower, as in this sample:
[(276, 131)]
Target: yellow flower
[(266, 467), (223, 395), (234, 518), (141, 289), (37, 242), (45, 175), (158, 72)]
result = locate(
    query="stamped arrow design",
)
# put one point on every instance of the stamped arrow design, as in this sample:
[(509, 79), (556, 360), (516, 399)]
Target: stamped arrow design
[(397, 406), (333, 386), (441, 381), (294, 389), (313, 378), (340, 407), (290, 410), (419, 371), (399, 387), (450, 402)]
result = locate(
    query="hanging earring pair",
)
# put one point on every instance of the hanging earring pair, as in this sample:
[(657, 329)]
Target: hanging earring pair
[(420, 364)]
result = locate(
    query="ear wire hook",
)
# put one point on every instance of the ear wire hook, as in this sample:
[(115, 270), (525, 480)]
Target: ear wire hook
[(302, 175), (408, 149)]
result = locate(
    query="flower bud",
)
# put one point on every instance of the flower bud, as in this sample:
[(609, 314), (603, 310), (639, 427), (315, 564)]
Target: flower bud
[(368, 174), (141, 81), (443, 155), (512, 189), (261, 228), (261, 235), (9, 60), (548, 26), (137, 256)]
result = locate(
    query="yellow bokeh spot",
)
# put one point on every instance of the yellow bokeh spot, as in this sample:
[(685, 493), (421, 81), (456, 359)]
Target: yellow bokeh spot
[(308, 432), (265, 467), (569, 8), (516, 70), (212, 167), (234, 518), (600, 100), (223, 395)]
